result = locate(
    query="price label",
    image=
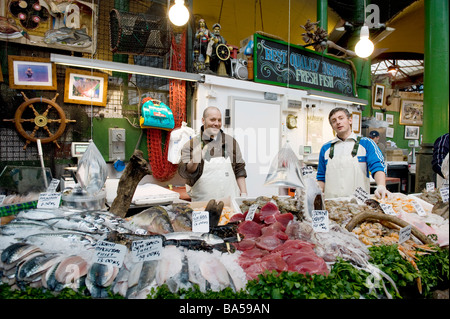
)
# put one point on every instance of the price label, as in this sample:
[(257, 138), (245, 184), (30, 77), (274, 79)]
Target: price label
[(430, 186), (49, 200), (145, 250), (388, 209), (444, 194), (361, 195), (307, 170), (320, 221), (404, 234), (53, 186), (419, 209), (251, 212), (107, 253), (200, 222)]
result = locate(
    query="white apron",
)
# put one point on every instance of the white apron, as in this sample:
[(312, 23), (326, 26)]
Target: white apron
[(444, 169), (217, 181), (343, 176)]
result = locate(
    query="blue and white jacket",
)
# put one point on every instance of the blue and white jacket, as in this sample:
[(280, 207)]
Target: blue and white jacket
[(369, 155)]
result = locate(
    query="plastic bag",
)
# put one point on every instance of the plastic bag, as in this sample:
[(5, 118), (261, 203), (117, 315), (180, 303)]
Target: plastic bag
[(285, 170), (178, 138), (312, 191), (92, 170)]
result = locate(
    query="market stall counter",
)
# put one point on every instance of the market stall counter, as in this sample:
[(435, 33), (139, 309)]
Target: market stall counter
[(263, 247)]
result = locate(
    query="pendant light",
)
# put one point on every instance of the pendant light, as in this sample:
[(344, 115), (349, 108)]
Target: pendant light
[(364, 47), (178, 13)]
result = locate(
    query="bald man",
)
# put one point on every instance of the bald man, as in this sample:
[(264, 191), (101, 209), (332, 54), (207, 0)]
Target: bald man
[(212, 162)]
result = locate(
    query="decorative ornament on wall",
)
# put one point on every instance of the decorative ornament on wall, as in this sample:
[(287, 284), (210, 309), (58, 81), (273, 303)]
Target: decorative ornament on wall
[(30, 13)]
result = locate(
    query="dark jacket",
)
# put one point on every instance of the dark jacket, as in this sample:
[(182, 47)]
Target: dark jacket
[(440, 150), (224, 145)]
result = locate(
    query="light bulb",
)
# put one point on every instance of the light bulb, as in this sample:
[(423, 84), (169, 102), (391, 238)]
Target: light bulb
[(364, 47), (178, 13)]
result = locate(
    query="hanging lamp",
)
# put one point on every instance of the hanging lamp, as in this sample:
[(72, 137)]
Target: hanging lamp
[(178, 13)]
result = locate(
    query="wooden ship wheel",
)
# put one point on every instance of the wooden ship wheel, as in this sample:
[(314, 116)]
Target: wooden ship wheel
[(51, 119), (223, 53)]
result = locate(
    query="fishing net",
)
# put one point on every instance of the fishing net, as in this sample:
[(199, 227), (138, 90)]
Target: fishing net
[(158, 140), (139, 33)]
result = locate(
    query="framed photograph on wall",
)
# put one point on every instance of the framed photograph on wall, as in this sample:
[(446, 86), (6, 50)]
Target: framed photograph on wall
[(379, 116), (390, 132), (85, 87), (378, 95), (31, 73), (411, 112), (412, 132), (390, 119), (356, 122)]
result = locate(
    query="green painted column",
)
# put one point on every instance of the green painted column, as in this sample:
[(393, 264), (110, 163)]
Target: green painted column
[(362, 65), (436, 70), (322, 13), (436, 83)]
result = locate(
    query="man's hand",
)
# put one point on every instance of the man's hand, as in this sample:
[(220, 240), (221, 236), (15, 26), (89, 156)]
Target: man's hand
[(381, 192)]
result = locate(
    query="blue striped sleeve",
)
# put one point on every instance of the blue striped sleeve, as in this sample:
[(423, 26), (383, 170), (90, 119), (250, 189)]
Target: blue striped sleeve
[(374, 157), (321, 168)]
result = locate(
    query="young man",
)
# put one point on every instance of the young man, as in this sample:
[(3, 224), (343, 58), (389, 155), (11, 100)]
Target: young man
[(212, 163), (345, 162), (375, 136)]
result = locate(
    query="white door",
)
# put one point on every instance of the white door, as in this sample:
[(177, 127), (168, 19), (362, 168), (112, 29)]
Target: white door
[(256, 127)]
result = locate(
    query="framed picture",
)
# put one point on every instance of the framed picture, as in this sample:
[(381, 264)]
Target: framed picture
[(390, 132), (31, 73), (411, 112), (390, 119), (379, 116), (412, 132), (378, 95), (356, 122), (85, 87)]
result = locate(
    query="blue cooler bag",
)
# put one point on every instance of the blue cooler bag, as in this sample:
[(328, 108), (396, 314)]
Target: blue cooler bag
[(155, 114)]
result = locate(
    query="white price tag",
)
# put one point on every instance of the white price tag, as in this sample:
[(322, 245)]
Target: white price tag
[(49, 200), (388, 209), (320, 221), (430, 186), (251, 212), (200, 222), (307, 170), (53, 186), (107, 253), (361, 195), (404, 234), (145, 250), (444, 194), (419, 209)]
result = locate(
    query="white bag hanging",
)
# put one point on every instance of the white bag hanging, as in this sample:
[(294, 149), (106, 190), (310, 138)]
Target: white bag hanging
[(92, 170), (178, 138), (285, 170)]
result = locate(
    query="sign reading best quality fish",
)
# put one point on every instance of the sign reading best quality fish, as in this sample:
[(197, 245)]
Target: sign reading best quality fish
[(294, 66)]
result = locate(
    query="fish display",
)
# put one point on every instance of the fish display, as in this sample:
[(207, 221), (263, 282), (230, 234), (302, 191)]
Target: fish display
[(56, 249)]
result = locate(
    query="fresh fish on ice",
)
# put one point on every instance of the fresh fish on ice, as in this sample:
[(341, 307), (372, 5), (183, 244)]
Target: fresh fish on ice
[(154, 219)]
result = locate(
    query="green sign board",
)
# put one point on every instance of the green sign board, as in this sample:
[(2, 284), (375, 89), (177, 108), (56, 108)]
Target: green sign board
[(277, 62)]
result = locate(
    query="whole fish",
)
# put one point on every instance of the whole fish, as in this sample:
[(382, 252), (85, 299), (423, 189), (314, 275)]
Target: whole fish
[(182, 222), (99, 278), (154, 219), (16, 252), (65, 235), (67, 35), (35, 267)]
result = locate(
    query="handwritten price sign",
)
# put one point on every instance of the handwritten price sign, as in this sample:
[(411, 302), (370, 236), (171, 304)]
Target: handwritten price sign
[(49, 200), (145, 250), (320, 221)]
